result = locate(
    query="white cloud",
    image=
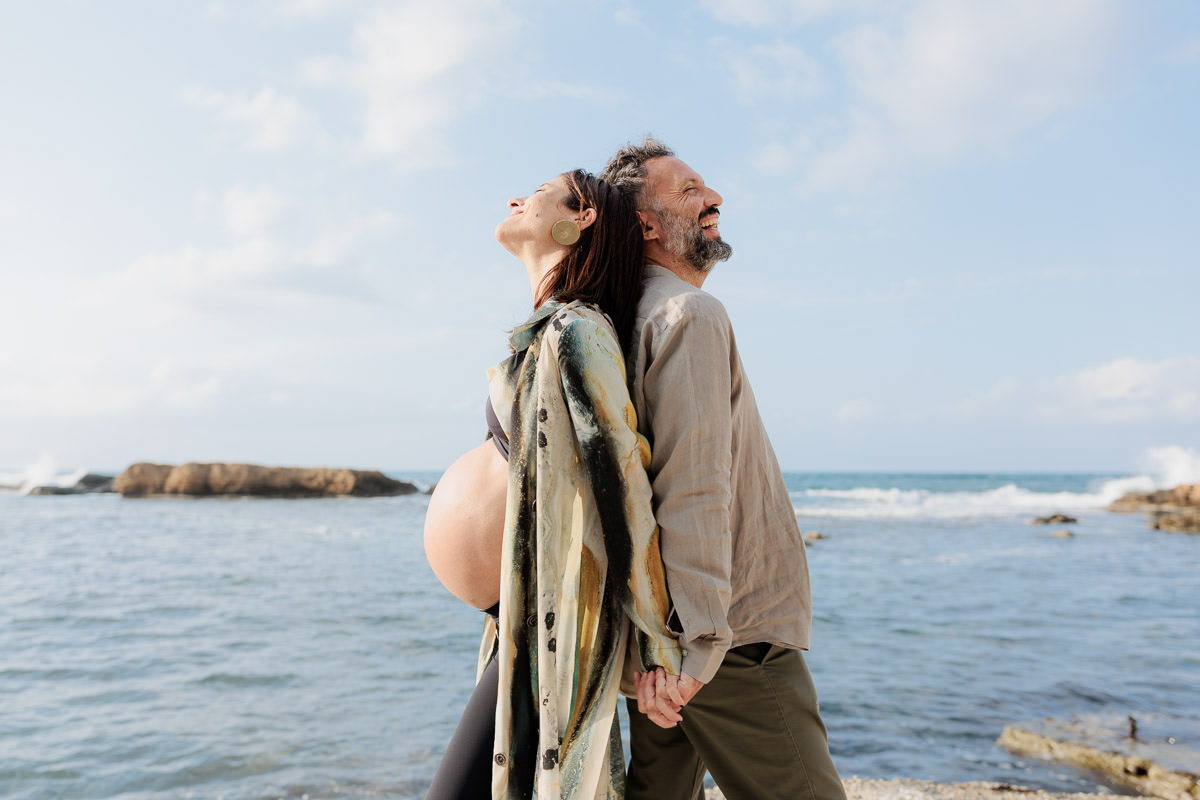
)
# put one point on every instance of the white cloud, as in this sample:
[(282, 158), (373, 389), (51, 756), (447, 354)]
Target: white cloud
[(946, 79), (174, 388), (268, 120), (856, 411), (192, 268), (1127, 390), (313, 9), (627, 13), (1186, 56), (413, 67), (189, 328), (771, 13), (335, 243), (65, 388), (775, 71), (416, 66), (1121, 392), (247, 211), (781, 157), (259, 268)]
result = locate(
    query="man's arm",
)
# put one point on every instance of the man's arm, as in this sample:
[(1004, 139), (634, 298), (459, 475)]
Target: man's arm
[(687, 388)]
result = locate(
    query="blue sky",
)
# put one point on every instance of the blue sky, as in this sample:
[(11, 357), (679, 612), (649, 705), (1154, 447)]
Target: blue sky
[(965, 234)]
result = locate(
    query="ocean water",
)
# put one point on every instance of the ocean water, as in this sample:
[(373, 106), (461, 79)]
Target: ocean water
[(170, 648)]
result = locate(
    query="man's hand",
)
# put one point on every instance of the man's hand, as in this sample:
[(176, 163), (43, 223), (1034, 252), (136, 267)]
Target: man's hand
[(662, 696), (686, 687)]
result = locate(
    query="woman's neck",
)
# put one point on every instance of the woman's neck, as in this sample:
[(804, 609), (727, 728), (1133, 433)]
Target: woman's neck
[(538, 266)]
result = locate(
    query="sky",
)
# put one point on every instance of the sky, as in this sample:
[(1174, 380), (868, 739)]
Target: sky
[(965, 233)]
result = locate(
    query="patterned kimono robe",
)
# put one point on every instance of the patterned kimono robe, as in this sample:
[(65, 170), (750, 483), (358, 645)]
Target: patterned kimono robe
[(580, 559)]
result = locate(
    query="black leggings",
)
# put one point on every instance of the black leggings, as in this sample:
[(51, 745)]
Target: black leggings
[(466, 769)]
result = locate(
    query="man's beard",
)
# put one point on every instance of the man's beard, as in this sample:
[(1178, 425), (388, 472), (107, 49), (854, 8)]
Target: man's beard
[(685, 238)]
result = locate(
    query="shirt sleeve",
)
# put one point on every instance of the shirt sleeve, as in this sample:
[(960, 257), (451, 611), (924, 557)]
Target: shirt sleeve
[(687, 387), (593, 375)]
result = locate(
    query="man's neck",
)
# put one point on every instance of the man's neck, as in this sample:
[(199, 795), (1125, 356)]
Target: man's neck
[(683, 270)]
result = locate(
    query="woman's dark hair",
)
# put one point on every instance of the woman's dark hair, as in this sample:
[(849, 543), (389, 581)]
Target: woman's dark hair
[(605, 266)]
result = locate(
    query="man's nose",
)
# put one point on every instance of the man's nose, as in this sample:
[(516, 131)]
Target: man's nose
[(713, 198)]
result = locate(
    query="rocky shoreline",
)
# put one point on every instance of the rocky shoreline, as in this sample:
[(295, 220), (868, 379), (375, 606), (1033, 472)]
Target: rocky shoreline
[(910, 789), (1171, 510), (1142, 754)]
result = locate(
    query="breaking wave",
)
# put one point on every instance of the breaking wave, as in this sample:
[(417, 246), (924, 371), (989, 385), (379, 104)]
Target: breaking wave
[(1166, 467)]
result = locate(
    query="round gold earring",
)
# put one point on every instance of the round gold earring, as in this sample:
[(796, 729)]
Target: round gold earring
[(565, 232)]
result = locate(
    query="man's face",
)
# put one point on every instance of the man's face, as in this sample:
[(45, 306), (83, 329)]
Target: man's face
[(687, 212)]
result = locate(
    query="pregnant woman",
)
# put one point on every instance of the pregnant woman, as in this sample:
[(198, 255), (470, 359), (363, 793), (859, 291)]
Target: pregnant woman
[(548, 526)]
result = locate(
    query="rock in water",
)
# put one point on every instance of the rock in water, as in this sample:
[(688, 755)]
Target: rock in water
[(88, 484), (1176, 521), (1173, 510), (1055, 519), (206, 480), (1153, 764), (142, 479), (1184, 495)]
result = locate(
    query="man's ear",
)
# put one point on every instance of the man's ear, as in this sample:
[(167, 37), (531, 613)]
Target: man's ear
[(586, 217), (649, 222)]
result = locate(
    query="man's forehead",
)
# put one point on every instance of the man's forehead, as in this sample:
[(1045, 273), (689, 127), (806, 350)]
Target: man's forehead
[(669, 172)]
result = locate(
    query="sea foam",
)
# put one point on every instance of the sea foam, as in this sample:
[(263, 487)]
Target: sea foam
[(1166, 467), (43, 472), (1009, 499)]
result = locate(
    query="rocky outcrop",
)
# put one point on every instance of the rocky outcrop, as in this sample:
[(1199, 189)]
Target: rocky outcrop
[(1172, 510), (88, 484), (1055, 519), (1185, 495), (911, 789), (208, 480), (1182, 521), (142, 479), (1118, 748)]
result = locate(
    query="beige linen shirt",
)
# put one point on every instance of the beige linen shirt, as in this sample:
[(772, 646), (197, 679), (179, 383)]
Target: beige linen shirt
[(734, 556)]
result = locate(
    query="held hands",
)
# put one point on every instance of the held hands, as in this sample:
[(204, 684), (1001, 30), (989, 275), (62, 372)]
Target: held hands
[(661, 696)]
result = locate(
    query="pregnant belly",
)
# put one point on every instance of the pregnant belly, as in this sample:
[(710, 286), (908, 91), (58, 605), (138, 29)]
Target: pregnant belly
[(464, 526)]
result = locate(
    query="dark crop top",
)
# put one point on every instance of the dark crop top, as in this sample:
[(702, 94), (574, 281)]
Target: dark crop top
[(499, 438)]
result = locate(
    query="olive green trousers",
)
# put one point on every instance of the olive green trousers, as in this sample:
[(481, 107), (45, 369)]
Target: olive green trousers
[(755, 727)]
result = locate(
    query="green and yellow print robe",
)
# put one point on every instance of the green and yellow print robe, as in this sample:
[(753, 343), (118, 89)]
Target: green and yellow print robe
[(580, 559)]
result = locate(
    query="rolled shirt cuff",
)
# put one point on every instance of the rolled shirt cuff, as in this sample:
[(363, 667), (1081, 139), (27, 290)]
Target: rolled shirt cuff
[(702, 658)]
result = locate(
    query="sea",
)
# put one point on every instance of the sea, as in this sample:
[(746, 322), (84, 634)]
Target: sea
[(255, 648)]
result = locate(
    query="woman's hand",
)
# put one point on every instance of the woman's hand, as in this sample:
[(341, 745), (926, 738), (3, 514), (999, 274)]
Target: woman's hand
[(661, 696)]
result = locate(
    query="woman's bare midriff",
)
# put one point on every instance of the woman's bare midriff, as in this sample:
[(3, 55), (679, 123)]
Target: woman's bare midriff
[(464, 526)]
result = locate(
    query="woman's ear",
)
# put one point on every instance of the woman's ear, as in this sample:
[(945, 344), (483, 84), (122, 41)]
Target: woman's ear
[(586, 217)]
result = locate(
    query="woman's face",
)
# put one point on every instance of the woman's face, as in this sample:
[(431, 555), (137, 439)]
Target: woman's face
[(530, 218)]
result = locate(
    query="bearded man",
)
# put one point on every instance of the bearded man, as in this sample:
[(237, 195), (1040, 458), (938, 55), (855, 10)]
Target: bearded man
[(744, 707)]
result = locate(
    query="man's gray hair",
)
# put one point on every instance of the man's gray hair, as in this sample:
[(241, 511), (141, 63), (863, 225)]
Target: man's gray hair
[(626, 171)]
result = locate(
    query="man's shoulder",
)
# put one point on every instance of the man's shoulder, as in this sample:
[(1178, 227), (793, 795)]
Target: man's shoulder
[(667, 300)]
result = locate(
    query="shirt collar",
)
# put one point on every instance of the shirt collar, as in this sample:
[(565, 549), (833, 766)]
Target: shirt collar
[(651, 268), (522, 335)]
